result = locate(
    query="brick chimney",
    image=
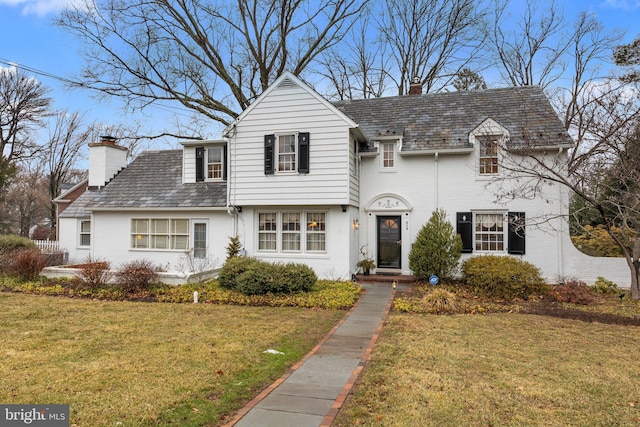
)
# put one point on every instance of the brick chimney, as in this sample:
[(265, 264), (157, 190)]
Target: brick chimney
[(106, 159), (416, 86)]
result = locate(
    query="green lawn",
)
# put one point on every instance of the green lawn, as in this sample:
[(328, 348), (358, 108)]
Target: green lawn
[(147, 363), (498, 370)]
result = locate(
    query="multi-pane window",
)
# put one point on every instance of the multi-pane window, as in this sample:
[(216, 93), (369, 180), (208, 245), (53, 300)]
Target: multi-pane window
[(316, 232), (488, 155), (214, 163), (291, 234), (489, 232), (286, 153), (388, 155), (267, 231), (85, 233), (291, 231), (164, 234)]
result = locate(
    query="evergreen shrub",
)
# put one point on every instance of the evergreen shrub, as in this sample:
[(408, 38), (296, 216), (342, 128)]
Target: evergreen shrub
[(437, 248), (502, 276), (255, 277)]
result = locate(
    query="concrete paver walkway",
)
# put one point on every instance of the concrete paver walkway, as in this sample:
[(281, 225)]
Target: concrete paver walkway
[(313, 391)]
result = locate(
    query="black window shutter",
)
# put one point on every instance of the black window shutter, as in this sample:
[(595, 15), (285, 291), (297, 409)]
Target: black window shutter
[(303, 152), (464, 227), (200, 164), (224, 163), (269, 152), (516, 239)]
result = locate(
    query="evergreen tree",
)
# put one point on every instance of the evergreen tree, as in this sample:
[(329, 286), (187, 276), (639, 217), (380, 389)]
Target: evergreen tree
[(437, 248)]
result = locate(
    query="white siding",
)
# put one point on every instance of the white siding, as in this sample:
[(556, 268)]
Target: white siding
[(291, 110), (189, 164)]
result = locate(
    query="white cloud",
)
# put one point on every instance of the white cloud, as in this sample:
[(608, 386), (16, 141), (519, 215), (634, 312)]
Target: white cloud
[(38, 7), (622, 4)]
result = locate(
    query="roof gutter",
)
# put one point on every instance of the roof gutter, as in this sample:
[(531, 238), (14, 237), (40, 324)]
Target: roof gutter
[(162, 209), (435, 152)]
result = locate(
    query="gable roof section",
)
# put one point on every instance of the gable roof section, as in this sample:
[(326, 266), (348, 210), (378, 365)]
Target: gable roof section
[(152, 181), (444, 120), (288, 80)]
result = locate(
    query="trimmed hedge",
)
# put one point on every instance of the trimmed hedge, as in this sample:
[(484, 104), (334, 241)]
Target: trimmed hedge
[(255, 277), (502, 277), (12, 242)]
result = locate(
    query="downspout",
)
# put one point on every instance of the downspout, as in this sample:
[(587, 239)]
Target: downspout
[(435, 181), (231, 208), (562, 227)]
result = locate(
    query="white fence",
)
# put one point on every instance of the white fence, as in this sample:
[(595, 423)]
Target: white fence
[(48, 246)]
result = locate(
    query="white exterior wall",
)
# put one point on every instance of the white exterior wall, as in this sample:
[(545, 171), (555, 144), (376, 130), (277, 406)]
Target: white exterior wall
[(335, 263), (290, 110), (111, 233), (69, 237), (421, 184)]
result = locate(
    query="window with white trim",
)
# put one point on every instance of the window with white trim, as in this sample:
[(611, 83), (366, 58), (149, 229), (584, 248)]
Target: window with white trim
[(214, 162), (267, 231), (161, 234), (489, 232), (316, 231), (284, 231), (388, 150), (85, 233), (488, 156), (286, 153), (291, 231)]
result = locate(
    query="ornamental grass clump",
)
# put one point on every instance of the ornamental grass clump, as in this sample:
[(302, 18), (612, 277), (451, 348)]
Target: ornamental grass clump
[(502, 277), (440, 301)]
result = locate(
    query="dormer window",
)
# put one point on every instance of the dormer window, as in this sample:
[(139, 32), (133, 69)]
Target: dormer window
[(211, 163), (215, 164), (388, 155), (488, 155)]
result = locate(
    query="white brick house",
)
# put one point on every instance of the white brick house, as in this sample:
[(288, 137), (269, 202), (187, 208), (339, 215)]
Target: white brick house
[(301, 179)]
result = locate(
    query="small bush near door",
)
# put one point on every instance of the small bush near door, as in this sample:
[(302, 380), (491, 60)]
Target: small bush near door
[(437, 248)]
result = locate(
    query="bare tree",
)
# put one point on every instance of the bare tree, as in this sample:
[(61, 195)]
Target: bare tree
[(23, 108), (532, 52), (26, 203), (360, 69), (431, 39), (603, 170), (67, 137), (590, 48), (212, 56)]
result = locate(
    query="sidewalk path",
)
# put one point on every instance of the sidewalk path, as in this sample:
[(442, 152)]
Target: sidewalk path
[(312, 392)]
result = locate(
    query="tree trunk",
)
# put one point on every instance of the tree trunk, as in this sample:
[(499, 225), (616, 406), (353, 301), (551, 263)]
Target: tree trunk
[(635, 279)]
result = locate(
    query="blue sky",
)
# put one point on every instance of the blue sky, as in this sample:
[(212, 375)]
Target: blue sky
[(28, 37)]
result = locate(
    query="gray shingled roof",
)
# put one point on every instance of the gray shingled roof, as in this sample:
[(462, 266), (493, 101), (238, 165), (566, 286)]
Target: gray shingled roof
[(444, 120), (152, 180)]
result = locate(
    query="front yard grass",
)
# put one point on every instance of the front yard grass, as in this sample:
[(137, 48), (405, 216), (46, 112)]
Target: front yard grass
[(502, 369), (136, 364)]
